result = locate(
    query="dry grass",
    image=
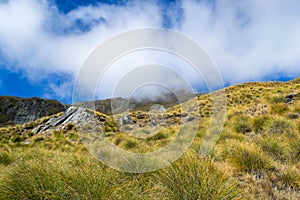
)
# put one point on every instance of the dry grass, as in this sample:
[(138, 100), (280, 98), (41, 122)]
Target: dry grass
[(264, 143)]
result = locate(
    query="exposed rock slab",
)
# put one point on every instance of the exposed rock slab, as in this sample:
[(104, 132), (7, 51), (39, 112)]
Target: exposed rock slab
[(83, 118)]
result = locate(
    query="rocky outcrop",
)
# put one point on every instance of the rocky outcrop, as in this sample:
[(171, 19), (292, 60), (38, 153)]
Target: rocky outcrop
[(126, 119), (83, 118), (290, 98), (15, 110)]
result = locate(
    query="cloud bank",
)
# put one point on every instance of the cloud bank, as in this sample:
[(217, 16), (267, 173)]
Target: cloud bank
[(248, 40)]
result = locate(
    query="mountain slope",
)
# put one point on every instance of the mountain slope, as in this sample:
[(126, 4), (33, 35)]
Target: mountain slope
[(257, 155), (15, 110), (296, 80)]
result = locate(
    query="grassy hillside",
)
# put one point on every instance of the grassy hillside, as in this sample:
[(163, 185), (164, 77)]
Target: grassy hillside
[(256, 157)]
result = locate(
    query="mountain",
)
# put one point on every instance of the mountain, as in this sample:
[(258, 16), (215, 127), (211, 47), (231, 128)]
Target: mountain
[(256, 155), (105, 106), (16, 110)]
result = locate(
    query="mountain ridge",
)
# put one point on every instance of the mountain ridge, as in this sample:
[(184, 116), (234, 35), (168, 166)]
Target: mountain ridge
[(17, 110)]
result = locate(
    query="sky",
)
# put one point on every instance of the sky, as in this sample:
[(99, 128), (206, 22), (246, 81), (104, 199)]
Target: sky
[(44, 43)]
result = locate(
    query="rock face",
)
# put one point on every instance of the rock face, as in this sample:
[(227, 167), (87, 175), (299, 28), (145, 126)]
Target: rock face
[(290, 98), (15, 110), (126, 119), (81, 117)]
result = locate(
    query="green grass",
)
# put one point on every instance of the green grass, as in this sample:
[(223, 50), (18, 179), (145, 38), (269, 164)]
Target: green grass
[(242, 124), (275, 147), (5, 158), (291, 177), (56, 165), (280, 126), (248, 157), (53, 175), (259, 123), (194, 178)]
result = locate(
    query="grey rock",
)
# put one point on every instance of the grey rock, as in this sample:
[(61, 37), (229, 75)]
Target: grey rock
[(15, 110), (126, 119), (81, 117), (290, 98), (259, 177)]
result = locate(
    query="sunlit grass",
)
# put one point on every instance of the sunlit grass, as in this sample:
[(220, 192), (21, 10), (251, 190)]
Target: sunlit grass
[(57, 165)]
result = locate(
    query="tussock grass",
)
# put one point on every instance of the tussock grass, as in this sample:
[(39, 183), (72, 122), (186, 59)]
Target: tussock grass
[(279, 125), (56, 165), (242, 124), (247, 157), (63, 177), (279, 109), (194, 178), (291, 177), (275, 147), (6, 157), (295, 147), (259, 123)]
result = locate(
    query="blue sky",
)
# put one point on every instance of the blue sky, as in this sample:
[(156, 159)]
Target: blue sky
[(44, 43)]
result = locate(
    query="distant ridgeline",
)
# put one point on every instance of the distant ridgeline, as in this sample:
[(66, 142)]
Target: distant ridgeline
[(15, 110)]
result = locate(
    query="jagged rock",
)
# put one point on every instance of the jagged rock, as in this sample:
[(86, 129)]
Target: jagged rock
[(81, 117), (290, 98), (126, 119), (157, 108), (15, 110)]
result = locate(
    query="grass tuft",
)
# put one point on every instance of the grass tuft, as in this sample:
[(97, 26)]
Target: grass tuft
[(195, 178)]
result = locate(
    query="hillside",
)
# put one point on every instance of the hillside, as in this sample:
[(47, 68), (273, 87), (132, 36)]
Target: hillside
[(256, 157), (296, 80), (104, 106)]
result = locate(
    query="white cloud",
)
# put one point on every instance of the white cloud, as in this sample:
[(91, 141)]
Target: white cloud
[(248, 40), (26, 31)]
